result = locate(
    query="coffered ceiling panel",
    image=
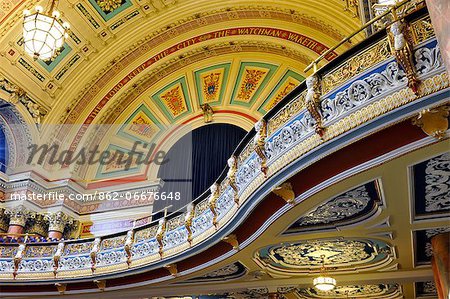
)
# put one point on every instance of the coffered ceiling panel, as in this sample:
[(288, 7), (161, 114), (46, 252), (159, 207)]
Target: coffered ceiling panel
[(431, 187), (350, 207)]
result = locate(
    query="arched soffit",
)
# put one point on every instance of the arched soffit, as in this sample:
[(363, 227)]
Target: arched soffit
[(240, 89), (20, 132), (152, 52), (99, 42)]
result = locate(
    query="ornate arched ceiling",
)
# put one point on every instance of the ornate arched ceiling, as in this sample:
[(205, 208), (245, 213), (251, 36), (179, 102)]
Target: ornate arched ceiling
[(124, 62)]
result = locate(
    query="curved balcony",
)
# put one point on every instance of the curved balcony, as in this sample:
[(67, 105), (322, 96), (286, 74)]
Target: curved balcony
[(359, 93)]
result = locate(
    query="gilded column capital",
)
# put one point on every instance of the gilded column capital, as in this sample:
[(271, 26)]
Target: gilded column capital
[(58, 221), (19, 215), (3, 221), (38, 225)]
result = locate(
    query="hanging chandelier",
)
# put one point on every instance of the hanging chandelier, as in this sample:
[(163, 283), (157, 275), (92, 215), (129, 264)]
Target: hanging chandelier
[(323, 282), (43, 32)]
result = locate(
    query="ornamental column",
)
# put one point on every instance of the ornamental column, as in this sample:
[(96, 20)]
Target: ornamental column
[(441, 263), (18, 217), (57, 222)]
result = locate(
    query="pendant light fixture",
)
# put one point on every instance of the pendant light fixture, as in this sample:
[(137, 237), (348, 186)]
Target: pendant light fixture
[(43, 32), (324, 283)]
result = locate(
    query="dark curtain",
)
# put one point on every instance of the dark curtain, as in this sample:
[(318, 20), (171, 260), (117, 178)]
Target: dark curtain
[(2, 151), (195, 161)]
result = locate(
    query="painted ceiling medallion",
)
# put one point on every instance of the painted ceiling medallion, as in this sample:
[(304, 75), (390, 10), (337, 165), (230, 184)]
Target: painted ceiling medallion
[(432, 183), (210, 83), (251, 82), (378, 291), (284, 91), (348, 208), (338, 255), (211, 86), (174, 100)]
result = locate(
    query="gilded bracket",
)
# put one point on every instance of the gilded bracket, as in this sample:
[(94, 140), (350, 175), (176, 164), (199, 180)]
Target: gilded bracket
[(259, 143), (61, 287), (232, 164), (190, 213), (312, 101), (232, 240), (212, 202), (172, 268), (434, 121), (127, 246), (285, 192), (18, 259), (401, 45), (93, 254), (101, 284), (207, 113), (160, 235), (57, 257)]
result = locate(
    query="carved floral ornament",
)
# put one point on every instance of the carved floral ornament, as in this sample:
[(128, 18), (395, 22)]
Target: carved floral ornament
[(18, 96), (336, 254), (109, 5)]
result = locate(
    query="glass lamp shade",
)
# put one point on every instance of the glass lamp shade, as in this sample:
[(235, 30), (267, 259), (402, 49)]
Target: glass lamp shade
[(325, 284), (43, 35)]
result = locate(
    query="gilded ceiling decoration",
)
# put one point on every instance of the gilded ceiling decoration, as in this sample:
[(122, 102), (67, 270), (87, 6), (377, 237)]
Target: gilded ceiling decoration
[(220, 85), (260, 292), (344, 209), (423, 250), (425, 289), (133, 71), (229, 272), (375, 291), (336, 253), (431, 183), (341, 254), (378, 291), (112, 70)]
